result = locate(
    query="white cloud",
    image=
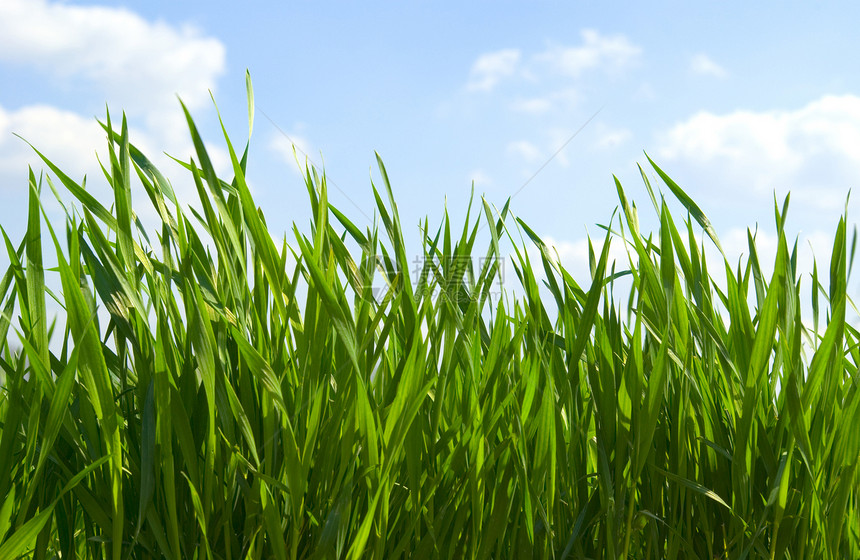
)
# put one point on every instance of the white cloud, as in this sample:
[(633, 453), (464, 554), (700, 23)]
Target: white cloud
[(610, 53), (526, 150), (114, 56), (61, 135), (489, 69), (811, 151), (703, 65), (137, 63)]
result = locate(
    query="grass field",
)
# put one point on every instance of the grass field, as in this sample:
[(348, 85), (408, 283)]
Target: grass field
[(253, 399)]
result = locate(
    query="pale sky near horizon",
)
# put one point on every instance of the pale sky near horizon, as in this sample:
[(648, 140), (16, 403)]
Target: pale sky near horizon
[(737, 101)]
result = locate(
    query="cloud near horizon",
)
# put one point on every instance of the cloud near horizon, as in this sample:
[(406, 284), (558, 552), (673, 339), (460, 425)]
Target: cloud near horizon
[(810, 151)]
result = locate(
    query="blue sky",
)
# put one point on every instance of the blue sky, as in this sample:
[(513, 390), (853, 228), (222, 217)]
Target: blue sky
[(737, 101)]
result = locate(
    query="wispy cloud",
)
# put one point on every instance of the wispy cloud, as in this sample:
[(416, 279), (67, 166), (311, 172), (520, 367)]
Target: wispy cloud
[(595, 52), (559, 99), (703, 65), (490, 68), (606, 52), (532, 105), (609, 138), (525, 150), (480, 178), (293, 149)]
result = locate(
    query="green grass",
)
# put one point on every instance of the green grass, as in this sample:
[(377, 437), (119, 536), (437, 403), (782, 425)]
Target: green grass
[(237, 406)]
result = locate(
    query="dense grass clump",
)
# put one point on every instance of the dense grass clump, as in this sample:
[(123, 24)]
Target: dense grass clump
[(237, 406)]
